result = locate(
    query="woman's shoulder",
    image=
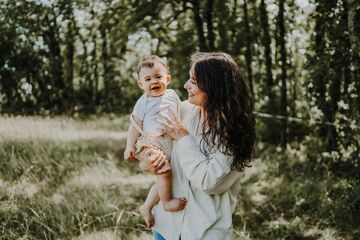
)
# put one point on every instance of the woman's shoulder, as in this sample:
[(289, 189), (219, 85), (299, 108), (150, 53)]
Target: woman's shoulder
[(187, 109), (186, 106)]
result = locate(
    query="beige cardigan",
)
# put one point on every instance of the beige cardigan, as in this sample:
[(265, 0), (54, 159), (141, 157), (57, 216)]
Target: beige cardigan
[(209, 185)]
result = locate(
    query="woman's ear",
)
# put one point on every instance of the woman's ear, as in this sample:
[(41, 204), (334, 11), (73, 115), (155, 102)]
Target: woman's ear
[(168, 78)]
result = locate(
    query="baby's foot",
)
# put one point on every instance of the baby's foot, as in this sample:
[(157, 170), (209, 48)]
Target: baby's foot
[(175, 204), (147, 215)]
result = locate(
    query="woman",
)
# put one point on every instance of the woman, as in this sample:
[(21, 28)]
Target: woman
[(214, 141)]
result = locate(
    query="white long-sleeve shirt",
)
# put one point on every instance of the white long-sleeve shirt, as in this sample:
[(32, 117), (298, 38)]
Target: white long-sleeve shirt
[(208, 183)]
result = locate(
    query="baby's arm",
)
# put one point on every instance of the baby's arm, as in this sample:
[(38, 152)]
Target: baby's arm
[(132, 137)]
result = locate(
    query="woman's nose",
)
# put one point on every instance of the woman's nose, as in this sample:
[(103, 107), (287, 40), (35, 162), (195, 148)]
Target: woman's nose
[(186, 84)]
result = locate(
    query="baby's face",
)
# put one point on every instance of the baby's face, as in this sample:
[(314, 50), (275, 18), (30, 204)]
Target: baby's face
[(154, 80)]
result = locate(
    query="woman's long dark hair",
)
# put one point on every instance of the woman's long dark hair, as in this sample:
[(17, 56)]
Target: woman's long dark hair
[(229, 123)]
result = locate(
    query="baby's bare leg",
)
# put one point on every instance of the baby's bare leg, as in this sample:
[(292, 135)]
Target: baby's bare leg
[(145, 210), (164, 189)]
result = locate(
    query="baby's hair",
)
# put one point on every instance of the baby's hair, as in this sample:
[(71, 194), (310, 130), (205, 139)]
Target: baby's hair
[(149, 61)]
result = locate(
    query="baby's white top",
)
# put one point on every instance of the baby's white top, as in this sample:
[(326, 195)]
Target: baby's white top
[(148, 109)]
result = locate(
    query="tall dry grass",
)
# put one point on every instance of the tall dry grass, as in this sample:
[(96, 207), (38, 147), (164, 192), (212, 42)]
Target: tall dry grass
[(63, 178)]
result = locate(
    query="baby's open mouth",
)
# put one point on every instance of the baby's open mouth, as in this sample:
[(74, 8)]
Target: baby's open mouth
[(155, 87)]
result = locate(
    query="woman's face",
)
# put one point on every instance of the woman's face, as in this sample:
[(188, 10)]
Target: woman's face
[(196, 96)]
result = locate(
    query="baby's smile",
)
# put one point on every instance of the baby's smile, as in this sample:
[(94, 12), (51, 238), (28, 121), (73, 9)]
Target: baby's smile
[(155, 87)]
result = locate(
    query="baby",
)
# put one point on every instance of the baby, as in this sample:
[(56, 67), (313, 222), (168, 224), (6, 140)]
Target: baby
[(147, 132)]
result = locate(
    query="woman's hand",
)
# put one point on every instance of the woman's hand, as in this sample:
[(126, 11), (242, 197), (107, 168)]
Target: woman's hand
[(159, 163), (173, 126)]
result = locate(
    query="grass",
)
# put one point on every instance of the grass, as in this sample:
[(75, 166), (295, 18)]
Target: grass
[(63, 178), (291, 199)]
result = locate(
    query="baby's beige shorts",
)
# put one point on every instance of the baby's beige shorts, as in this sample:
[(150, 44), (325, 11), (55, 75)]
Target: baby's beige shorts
[(161, 142)]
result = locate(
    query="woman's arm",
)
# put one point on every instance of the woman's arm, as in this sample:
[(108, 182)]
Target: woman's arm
[(212, 175)]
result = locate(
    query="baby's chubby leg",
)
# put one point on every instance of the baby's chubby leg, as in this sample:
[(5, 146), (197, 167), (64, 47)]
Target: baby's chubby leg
[(145, 210), (148, 156), (164, 189), (163, 186)]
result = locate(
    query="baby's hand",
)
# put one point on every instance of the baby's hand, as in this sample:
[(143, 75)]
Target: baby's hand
[(129, 154)]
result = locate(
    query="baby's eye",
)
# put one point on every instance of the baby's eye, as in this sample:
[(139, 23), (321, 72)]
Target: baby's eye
[(147, 79), (158, 76)]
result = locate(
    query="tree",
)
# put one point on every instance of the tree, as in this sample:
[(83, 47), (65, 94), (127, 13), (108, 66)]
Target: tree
[(248, 52), (283, 77), (354, 35), (266, 41)]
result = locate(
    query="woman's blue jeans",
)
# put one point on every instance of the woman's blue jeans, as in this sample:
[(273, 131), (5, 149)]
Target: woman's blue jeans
[(157, 236)]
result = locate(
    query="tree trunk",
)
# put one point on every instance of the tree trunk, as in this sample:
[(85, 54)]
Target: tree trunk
[(234, 46), (293, 89), (248, 51), (346, 61), (223, 28), (283, 77), (69, 54), (52, 40), (319, 73), (93, 74), (209, 23), (199, 25), (105, 60), (95, 79), (84, 65), (266, 41), (334, 93), (354, 35)]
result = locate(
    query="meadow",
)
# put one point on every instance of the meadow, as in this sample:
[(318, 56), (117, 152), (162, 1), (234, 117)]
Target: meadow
[(64, 178)]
